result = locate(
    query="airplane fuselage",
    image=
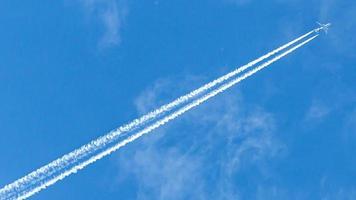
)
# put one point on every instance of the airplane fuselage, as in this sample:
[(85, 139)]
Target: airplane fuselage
[(324, 27)]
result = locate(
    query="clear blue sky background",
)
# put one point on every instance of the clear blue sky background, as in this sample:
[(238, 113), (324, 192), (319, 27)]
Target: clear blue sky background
[(72, 70)]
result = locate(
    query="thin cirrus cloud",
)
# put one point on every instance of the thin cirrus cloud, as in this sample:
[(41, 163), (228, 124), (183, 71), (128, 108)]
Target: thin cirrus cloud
[(169, 171), (111, 15), (317, 111)]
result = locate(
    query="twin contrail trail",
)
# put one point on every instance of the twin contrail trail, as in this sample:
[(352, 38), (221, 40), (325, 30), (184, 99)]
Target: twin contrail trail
[(87, 154)]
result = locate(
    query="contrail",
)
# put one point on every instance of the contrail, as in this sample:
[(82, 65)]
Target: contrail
[(23, 188), (30, 191), (93, 146)]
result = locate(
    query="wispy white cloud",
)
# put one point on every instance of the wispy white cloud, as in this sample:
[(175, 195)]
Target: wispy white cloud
[(325, 104), (111, 14), (317, 111), (342, 193), (216, 142), (329, 191)]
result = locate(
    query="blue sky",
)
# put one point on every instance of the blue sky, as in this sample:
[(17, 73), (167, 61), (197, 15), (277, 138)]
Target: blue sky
[(71, 71)]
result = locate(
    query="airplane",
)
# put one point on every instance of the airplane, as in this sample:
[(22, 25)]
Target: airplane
[(324, 27)]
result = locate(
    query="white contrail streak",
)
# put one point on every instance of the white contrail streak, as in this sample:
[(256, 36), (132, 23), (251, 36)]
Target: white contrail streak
[(81, 152), (93, 146), (74, 169)]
